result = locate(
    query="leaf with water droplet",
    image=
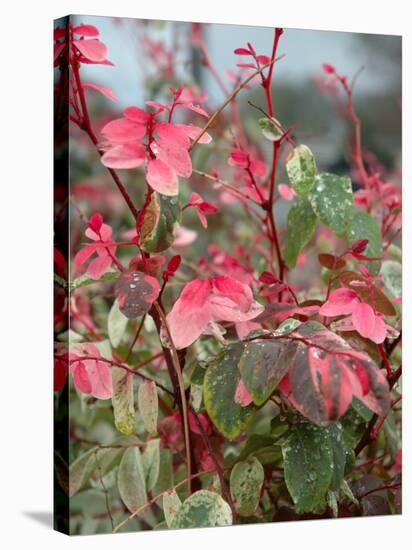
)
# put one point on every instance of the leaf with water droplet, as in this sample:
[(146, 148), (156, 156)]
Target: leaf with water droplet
[(136, 291), (301, 169), (332, 201), (246, 480)]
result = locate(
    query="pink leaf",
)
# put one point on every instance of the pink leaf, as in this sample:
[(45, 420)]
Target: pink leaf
[(81, 378), (136, 115), (286, 192), (193, 131), (341, 302), (162, 178), (100, 377), (368, 324), (104, 90), (258, 168), (190, 314), (128, 155), (123, 130), (86, 30), (172, 134), (242, 51), (263, 59), (83, 255), (195, 108), (99, 266), (93, 49), (177, 158)]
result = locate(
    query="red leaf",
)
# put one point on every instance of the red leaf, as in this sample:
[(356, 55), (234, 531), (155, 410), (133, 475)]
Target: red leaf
[(136, 293), (331, 262)]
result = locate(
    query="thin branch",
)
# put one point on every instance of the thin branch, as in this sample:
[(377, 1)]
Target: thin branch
[(105, 491), (178, 371), (157, 497)]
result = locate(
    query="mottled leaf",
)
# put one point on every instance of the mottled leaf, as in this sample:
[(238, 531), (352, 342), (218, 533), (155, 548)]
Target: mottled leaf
[(148, 403), (131, 479), (202, 509), (171, 505), (159, 222), (301, 169), (136, 292), (116, 324), (270, 128), (263, 364), (123, 401), (246, 480), (326, 373), (332, 201), (300, 227), (221, 380)]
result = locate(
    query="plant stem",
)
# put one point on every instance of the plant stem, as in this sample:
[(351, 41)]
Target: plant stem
[(183, 400), (157, 497)]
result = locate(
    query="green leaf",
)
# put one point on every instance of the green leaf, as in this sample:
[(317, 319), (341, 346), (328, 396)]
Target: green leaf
[(123, 401), (301, 169), (116, 324), (171, 505), (246, 480), (332, 201), (263, 364), (82, 469), (131, 480), (308, 466), (165, 477), (148, 403), (300, 227), (161, 218), (271, 129), (361, 225), (392, 277), (221, 380), (151, 462), (202, 509)]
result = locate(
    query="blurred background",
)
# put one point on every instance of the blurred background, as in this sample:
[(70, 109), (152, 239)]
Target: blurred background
[(373, 60)]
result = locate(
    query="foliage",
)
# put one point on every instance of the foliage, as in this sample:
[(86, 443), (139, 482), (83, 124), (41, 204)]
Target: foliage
[(223, 367)]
